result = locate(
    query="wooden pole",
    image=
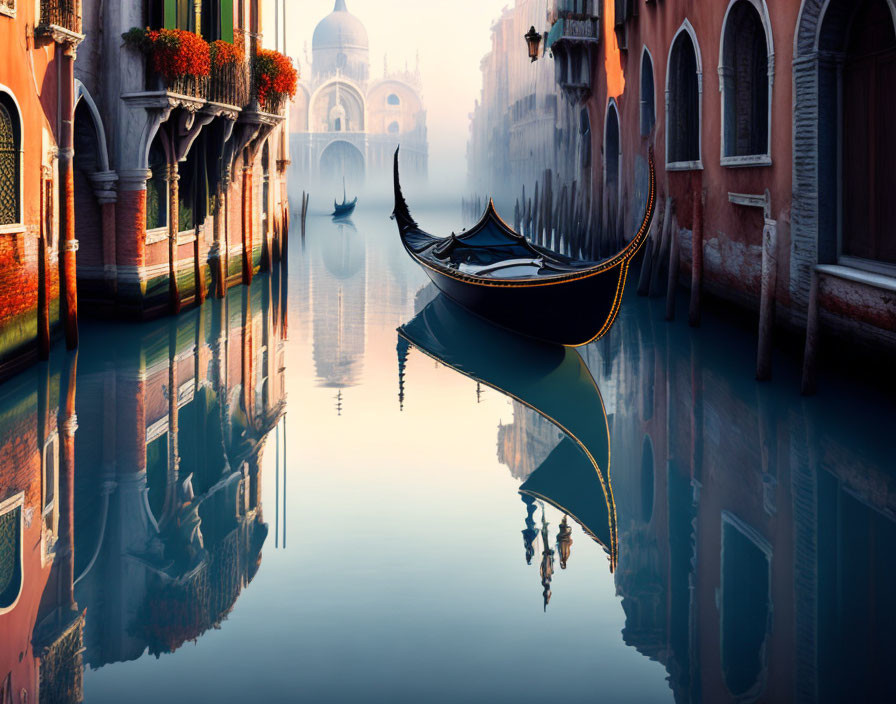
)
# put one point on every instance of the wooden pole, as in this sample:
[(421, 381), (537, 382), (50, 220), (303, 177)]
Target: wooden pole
[(697, 257), (810, 355), (672, 280), (767, 299), (662, 252)]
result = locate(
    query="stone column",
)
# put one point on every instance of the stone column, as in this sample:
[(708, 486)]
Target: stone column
[(130, 237), (173, 228), (68, 280), (104, 188)]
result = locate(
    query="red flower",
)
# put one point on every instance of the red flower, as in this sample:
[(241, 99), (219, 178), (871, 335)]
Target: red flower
[(173, 53), (274, 75)]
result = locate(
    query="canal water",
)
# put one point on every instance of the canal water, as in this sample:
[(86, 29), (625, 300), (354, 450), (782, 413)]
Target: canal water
[(335, 486)]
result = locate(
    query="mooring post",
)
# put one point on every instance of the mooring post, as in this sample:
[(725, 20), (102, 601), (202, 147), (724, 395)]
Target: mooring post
[(697, 257), (672, 281), (662, 253), (767, 298), (810, 355)]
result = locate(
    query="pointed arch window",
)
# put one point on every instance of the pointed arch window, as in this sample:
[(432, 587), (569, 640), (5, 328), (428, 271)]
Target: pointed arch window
[(684, 93), (10, 163), (745, 61), (648, 99), (10, 552)]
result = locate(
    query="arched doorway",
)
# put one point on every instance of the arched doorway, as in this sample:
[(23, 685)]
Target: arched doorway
[(89, 220), (869, 144), (342, 159)]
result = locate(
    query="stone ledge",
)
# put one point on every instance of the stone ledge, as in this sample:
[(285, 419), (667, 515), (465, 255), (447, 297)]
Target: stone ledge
[(888, 283)]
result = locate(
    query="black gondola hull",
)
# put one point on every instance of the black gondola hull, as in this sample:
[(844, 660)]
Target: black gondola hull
[(571, 313)]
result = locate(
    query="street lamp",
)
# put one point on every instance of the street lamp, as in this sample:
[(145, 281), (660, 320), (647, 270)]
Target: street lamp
[(533, 40)]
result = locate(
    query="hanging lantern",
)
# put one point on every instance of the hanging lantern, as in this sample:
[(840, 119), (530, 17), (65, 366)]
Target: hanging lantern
[(533, 41)]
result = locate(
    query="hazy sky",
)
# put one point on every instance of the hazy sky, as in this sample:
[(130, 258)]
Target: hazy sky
[(452, 36)]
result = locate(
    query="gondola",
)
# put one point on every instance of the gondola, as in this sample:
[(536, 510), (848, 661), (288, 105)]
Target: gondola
[(553, 381), (493, 271), (344, 209)]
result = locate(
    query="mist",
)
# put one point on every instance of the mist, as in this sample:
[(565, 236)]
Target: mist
[(451, 37)]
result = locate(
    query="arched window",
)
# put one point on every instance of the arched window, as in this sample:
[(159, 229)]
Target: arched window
[(10, 163), (745, 606), (612, 177), (393, 99), (157, 187), (744, 73), (683, 90), (10, 552), (394, 128), (869, 148), (648, 100)]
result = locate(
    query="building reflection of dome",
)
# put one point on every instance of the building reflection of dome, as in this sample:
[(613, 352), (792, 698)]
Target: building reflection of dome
[(340, 29), (343, 251)]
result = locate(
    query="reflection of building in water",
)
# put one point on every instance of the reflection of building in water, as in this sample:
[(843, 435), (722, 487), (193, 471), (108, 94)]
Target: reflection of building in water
[(345, 124), (524, 444), (755, 532), (169, 525), (339, 305), (40, 623)]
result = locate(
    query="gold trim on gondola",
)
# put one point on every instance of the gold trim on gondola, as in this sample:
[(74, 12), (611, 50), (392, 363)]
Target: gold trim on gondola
[(621, 258), (606, 484)]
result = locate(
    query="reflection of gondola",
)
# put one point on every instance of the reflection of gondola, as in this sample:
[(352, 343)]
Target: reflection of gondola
[(553, 381), (494, 272), (345, 209)]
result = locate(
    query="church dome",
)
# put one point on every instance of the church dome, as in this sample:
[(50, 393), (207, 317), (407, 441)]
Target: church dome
[(340, 29)]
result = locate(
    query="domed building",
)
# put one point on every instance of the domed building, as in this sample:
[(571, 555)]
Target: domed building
[(345, 124)]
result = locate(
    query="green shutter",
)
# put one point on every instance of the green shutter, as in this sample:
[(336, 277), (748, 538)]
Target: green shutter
[(227, 20), (170, 19)]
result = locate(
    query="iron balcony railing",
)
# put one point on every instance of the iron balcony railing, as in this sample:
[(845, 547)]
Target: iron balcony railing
[(61, 13), (230, 85)]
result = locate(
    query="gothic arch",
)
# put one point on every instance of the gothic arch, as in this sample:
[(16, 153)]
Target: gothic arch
[(819, 43), (727, 85), (81, 93), (647, 98), (685, 32), (12, 106)]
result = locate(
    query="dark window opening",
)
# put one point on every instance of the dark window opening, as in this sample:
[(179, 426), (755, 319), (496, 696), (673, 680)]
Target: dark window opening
[(393, 99), (648, 104), (869, 141), (745, 82), (393, 128), (157, 187), (684, 102), (10, 169)]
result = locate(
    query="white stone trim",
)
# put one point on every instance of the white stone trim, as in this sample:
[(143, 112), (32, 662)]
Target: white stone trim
[(697, 165), (848, 273), (18, 226), (754, 159), (646, 52), (157, 234), (16, 501)]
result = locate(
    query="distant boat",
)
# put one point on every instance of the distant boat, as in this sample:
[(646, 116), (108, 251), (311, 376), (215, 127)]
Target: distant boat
[(495, 272), (553, 381), (345, 208)]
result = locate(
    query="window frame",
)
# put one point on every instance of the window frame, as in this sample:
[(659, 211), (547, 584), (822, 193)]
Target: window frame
[(693, 165), (645, 52), (16, 113), (747, 160)]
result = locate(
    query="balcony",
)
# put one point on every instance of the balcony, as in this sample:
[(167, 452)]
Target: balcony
[(573, 39), (60, 20)]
